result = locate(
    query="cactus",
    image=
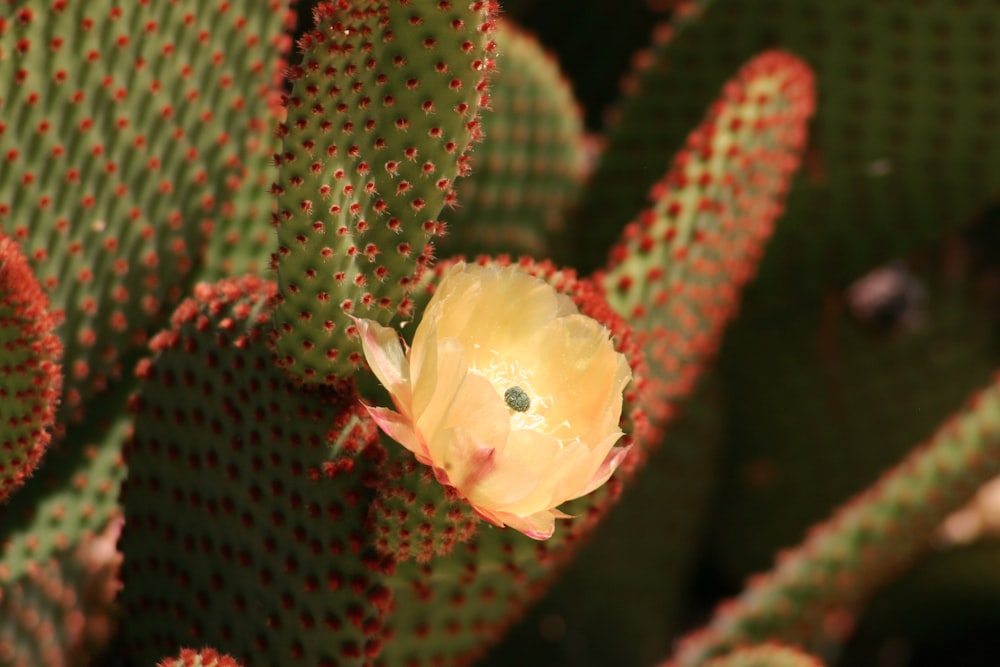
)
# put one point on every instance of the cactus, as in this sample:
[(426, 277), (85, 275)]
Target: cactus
[(376, 133), (212, 246), (31, 372)]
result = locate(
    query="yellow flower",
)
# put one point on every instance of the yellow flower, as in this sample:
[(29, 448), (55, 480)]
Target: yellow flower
[(508, 393)]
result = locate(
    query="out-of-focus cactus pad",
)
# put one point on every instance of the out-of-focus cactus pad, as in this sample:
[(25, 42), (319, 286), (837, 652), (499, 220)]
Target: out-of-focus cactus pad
[(246, 498), (528, 169)]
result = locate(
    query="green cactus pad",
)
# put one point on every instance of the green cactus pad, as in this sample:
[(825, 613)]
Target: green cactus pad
[(678, 272), (72, 495), (869, 540), (123, 130), (903, 145), (859, 397), (52, 573), (529, 168), (62, 611), (383, 108), (30, 374), (246, 498)]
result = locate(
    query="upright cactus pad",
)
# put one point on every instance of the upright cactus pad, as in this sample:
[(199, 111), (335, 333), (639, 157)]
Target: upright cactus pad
[(903, 142), (122, 139), (678, 272), (382, 111), (30, 374), (530, 166)]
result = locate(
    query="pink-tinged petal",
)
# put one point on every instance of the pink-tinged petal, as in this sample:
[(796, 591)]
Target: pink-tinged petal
[(384, 354), (528, 469), (397, 427), (489, 516), (538, 526), (608, 467)]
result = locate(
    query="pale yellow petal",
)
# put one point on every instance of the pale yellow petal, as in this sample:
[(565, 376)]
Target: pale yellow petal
[(526, 473), (575, 363), (499, 308), (384, 353), (444, 369), (476, 419)]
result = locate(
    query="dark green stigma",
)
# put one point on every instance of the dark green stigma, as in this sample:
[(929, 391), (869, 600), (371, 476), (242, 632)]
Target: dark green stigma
[(517, 399)]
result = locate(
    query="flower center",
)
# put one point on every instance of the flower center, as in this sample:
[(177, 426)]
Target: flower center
[(513, 382), (517, 399)]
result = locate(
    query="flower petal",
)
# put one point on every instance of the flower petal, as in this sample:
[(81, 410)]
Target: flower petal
[(399, 428), (538, 526), (476, 420), (527, 471), (491, 309), (439, 383), (576, 363), (607, 468), (384, 354)]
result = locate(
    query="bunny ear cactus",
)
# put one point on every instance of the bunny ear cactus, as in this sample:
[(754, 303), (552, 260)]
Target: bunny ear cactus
[(32, 376), (265, 517), (383, 108)]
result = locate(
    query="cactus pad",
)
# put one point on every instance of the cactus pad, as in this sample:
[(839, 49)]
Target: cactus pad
[(123, 130), (246, 498), (31, 376), (766, 655), (382, 110), (677, 275), (528, 170)]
